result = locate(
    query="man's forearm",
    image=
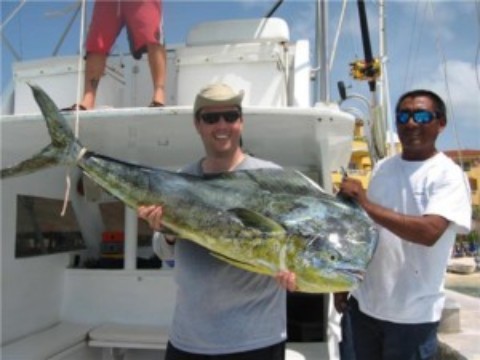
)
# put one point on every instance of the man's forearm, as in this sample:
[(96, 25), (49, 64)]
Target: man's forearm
[(423, 230)]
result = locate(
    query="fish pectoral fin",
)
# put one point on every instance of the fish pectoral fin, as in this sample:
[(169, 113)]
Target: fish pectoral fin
[(256, 220), (241, 264)]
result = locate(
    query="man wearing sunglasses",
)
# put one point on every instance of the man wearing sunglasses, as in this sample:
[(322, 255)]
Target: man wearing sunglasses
[(222, 312), (419, 199)]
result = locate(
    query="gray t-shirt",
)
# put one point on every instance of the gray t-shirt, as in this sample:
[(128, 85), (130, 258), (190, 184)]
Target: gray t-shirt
[(221, 309)]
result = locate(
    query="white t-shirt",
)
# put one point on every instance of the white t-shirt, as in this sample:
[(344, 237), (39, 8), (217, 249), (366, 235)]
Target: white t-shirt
[(404, 281)]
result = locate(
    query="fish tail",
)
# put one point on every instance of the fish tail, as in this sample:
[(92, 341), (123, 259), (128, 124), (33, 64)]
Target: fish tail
[(64, 148)]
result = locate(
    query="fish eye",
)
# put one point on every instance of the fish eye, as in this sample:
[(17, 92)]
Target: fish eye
[(333, 257)]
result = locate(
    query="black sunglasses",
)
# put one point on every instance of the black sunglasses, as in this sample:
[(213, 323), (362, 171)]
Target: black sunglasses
[(214, 117), (419, 116)]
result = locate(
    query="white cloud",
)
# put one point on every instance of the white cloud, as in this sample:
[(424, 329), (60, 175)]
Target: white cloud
[(461, 90), (461, 93)]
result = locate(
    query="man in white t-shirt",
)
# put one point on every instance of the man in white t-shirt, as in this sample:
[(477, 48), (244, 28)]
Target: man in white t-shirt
[(419, 199)]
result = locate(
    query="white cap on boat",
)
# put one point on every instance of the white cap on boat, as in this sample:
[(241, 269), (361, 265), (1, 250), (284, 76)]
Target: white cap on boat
[(217, 94)]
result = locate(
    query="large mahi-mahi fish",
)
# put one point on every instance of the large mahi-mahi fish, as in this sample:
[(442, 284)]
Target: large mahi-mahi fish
[(262, 220)]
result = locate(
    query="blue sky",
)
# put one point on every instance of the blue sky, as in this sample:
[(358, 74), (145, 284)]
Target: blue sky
[(430, 44)]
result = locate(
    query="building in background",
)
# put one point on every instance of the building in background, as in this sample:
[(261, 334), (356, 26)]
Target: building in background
[(469, 160)]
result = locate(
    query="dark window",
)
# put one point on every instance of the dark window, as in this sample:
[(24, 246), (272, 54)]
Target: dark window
[(41, 229)]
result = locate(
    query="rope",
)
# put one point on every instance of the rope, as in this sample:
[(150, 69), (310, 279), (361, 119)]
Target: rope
[(81, 154), (337, 34), (77, 113)]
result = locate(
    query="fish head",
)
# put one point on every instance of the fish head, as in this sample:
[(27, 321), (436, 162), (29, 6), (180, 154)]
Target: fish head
[(333, 257)]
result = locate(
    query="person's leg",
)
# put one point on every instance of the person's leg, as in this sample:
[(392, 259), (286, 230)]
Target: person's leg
[(144, 21), (104, 28), (94, 68), (366, 333), (346, 347), (410, 341), (157, 62)]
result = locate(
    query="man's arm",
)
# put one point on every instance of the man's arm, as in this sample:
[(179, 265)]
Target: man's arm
[(423, 230)]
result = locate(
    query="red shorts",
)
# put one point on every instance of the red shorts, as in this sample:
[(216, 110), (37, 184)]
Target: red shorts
[(143, 19)]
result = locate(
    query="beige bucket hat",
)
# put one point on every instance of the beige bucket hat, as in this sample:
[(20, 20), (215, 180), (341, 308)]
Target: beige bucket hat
[(217, 94)]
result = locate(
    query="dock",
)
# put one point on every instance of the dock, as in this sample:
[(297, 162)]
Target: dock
[(462, 342)]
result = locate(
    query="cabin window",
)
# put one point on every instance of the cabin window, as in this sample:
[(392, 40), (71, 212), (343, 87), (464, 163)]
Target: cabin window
[(113, 239), (41, 230)]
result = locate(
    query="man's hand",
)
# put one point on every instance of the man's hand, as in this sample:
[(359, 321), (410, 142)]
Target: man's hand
[(340, 301), (287, 280), (352, 188), (152, 215)]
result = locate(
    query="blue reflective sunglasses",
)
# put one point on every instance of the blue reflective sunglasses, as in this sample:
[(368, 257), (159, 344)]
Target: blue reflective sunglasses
[(419, 116)]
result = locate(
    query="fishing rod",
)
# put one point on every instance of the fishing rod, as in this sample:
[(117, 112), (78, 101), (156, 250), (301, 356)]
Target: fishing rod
[(370, 72), (274, 8), (368, 69)]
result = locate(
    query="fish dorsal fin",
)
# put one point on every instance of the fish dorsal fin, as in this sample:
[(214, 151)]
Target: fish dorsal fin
[(256, 220)]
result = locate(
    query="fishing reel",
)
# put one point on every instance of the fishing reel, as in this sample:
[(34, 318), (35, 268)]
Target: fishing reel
[(363, 70)]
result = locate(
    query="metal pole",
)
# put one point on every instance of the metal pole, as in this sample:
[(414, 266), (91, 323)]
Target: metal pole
[(131, 235), (381, 48), (384, 90), (12, 15), (323, 93)]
